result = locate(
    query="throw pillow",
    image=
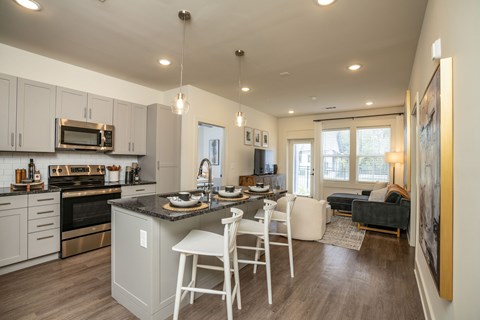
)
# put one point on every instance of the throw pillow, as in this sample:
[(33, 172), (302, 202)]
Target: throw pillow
[(395, 193), (379, 185), (378, 195)]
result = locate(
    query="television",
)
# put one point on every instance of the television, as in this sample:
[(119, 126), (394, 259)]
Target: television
[(263, 160)]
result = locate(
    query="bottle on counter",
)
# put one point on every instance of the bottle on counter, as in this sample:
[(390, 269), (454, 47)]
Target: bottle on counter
[(31, 170), (37, 177)]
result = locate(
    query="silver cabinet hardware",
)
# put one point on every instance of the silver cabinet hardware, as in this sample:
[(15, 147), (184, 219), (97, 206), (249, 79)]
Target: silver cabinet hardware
[(129, 146), (133, 146), (46, 199), (44, 212), (5, 203), (12, 137), (44, 225), (158, 164), (19, 139), (85, 113), (140, 190), (43, 238), (90, 113)]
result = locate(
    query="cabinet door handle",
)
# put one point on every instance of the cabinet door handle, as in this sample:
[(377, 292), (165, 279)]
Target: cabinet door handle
[(85, 113), (133, 146), (90, 113), (5, 203), (44, 225), (45, 212), (46, 199), (12, 138), (43, 238), (129, 146), (19, 139), (138, 190)]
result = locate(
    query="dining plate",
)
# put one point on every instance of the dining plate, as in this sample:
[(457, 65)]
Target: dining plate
[(177, 202), (235, 194), (258, 189)]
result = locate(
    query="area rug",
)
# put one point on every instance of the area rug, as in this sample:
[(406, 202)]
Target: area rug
[(342, 232)]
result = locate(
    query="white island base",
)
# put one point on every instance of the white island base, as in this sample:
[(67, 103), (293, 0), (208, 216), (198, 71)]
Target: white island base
[(144, 267)]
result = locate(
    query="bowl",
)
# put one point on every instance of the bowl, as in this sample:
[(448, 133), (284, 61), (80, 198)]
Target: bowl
[(227, 194), (258, 189), (177, 202)]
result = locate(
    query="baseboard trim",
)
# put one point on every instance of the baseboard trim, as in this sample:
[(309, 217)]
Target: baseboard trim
[(28, 263), (423, 295)]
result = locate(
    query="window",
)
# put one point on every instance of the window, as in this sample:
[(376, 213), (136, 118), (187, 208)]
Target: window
[(372, 143), (336, 154)]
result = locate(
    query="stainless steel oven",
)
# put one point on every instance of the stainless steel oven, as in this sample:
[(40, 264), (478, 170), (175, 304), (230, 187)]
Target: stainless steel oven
[(85, 214)]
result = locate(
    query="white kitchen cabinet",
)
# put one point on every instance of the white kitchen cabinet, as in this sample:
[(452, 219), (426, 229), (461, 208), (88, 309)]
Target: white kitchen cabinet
[(130, 122), (35, 125), (138, 190), (13, 229), (82, 106), (8, 109), (100, 109), (162, 160)]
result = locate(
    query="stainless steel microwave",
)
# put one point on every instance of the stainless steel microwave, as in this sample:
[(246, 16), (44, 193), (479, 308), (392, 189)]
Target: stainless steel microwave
[(79, 135)]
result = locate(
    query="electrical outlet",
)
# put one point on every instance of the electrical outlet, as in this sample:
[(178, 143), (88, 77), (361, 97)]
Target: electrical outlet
[(143, 238)]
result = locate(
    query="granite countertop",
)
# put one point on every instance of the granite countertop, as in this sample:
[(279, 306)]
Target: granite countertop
[(122, 183), (4, 192), (153, 205)]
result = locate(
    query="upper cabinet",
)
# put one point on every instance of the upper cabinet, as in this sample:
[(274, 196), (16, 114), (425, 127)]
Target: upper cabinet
[(130, 122), (8, 109), (27, 121), (82, 106)]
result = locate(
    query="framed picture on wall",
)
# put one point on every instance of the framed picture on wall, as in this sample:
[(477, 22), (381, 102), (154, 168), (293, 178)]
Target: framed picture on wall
[(214, 151), (257, 138), (265, 139), (248, 136)]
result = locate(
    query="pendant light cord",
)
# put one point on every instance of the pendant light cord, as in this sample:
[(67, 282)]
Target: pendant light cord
[(183, 53), (239, 82)]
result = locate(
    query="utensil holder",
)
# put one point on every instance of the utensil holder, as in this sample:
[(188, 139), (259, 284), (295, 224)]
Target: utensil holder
[(114, 176)]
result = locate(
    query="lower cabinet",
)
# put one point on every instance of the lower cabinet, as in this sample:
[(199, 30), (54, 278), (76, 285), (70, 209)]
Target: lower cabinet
[(13, 236), (138, 190)]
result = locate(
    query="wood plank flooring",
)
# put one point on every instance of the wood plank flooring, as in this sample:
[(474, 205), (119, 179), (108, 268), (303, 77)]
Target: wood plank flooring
[(376, 282)]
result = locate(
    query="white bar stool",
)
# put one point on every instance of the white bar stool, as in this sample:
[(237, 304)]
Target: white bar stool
[(282, 217), (260, 230), (199, 242)]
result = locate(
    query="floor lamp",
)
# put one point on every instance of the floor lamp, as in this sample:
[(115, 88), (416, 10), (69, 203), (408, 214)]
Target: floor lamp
[(394, 158)]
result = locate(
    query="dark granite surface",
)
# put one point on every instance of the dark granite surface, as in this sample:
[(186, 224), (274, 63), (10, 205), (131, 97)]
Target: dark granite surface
[(6, 191), (122, 183), (153, 205)]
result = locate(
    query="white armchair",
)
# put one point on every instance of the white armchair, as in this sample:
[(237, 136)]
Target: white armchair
[(308, 218)]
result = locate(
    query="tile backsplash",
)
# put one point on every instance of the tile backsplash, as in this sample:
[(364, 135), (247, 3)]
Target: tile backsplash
[(9, 161)]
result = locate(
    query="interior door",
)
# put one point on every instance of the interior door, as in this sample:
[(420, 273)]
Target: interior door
[(301, 167), (211, 145)]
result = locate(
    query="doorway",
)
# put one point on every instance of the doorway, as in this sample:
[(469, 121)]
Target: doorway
[(211, 145), (300, 168)]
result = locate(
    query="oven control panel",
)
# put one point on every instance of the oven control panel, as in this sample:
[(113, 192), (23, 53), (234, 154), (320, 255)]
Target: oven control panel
[(72, 170)]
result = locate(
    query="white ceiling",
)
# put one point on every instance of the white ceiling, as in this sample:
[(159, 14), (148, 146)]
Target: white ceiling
[(125, 38)]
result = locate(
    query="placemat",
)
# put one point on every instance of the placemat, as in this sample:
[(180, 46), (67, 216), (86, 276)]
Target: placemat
[(169, 207), (243, 197), (258, 193)]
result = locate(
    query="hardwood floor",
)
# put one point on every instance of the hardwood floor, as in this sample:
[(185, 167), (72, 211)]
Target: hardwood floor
[(376, 282)]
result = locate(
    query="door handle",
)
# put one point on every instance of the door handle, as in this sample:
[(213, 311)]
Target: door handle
[(19, 139), (158, 164), (133, 146), (90, 113), (45, 212), (45, 225), (129, 144), (46, 199), (12, 137), (43, 238), (85, 113)]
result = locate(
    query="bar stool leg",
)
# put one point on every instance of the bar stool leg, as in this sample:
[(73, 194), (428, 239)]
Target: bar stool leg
[(267, 267), (237, 278), (257, 254), (178, 294), (194, 277), (290, 249), (228, 286)]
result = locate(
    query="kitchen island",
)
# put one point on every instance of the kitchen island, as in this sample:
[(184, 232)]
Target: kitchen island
[(144, 267)]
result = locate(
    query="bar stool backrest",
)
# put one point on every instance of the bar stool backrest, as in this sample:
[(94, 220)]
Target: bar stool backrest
[(231, 227), (268, 208), (290, 202)]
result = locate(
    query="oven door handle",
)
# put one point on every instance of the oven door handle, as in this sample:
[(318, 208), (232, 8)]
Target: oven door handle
[(87, 193)]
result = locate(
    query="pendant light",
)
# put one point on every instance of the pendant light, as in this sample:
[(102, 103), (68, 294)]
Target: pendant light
[(240, 119), (180, 105)]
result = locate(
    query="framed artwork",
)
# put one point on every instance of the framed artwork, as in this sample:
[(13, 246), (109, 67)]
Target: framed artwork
[(257, 139), (436, 177), (265, 139), (214, 151), (248, 136)]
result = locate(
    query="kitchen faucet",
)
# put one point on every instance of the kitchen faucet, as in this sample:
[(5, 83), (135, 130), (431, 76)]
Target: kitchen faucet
[(209, 186)]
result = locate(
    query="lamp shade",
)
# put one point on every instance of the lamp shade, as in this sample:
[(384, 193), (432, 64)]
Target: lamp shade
[(394, 157)]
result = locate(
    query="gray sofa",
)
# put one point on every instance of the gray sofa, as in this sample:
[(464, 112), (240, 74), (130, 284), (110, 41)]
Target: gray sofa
[(370, 215)]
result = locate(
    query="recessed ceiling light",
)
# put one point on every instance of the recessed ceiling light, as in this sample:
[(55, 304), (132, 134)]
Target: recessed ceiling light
[(164, 62), (369, 103), (29, 4), (354, 67), (291, 111), (313, 98), (285, 73), (325, 2), (245, 89)]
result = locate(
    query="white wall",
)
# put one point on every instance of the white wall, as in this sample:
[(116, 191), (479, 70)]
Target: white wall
[(28, 65), (457, 23), (303, 128), (210, 108)]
